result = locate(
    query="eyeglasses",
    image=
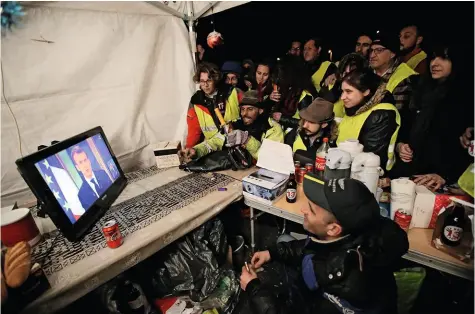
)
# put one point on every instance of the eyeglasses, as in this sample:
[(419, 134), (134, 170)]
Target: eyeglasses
[(208, 82), (376, 51), (295, 49)]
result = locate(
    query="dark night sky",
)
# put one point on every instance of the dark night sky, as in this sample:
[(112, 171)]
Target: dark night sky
[(265, 29)]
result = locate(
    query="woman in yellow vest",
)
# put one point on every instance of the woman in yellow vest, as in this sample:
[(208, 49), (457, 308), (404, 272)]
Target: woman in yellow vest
[(295, 92), (370, 116), (203, 125)]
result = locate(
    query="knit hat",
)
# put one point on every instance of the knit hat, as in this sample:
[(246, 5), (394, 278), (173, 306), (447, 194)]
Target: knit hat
[(231, 67), (250, 99), (319, 111), (349, 200), (389, 42)]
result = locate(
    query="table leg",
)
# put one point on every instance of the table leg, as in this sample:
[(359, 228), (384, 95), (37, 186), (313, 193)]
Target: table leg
[(284, 226), (253, 243)]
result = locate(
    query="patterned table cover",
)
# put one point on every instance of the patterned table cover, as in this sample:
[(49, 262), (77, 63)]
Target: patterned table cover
[(157, 207)]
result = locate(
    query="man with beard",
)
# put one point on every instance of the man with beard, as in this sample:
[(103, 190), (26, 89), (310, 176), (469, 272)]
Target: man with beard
[(362, 45), (411, 53), (316, 123), (253, 127)]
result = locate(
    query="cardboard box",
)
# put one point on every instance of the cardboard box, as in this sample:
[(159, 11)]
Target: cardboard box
[(464, 251), (264, 185), (166, 154), (270, 181), (428, 205)]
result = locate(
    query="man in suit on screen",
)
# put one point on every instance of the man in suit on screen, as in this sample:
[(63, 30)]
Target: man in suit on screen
[(96, 181)]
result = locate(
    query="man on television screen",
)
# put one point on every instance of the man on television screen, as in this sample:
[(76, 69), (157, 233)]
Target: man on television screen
[(97, 181)]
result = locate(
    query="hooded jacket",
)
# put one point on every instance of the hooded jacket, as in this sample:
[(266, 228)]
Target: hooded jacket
[(356, 268)]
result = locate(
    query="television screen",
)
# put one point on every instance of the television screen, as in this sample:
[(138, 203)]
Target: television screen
[(79, 175), (75, 180)]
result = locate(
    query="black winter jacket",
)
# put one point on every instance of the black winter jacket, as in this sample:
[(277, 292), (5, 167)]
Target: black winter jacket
[(367, 285), (377, 130)]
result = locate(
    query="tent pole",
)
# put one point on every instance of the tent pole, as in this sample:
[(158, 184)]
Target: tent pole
[(191, 30)]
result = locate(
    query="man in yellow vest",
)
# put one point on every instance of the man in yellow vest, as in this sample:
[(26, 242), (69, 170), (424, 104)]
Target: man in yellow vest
[(316, 123), (254, 126), (397, 75), (411, 38), (319, 69)]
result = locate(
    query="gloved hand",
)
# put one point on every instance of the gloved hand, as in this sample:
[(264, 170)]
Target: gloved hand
[(237, 137), (187, 154)]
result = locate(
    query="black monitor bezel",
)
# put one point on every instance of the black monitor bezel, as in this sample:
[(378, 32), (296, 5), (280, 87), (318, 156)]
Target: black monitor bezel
[(31, 175)]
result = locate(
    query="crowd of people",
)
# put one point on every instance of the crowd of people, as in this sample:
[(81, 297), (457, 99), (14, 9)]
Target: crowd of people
[(409, 106)]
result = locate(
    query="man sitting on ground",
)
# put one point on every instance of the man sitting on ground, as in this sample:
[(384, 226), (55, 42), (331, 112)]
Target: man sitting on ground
[(346, 264)]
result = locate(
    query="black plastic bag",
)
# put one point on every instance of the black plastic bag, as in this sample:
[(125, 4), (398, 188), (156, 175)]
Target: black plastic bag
[(228, 158), (192, 264)]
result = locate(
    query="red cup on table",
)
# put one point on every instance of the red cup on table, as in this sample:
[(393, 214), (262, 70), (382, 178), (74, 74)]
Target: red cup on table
[(18, 225)]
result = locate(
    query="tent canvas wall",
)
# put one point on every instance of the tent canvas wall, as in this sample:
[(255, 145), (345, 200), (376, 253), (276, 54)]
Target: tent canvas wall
[(126, 66)]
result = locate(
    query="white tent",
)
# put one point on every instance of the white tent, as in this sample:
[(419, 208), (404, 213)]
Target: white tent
[(71, 66)]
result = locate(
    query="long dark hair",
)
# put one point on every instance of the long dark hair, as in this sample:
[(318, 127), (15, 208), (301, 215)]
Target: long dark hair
[(293, 78), (267, 85)]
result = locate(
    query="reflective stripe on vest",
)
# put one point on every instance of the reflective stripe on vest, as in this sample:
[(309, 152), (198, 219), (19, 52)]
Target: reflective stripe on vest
[(207, 125), (298, 144), (402, 72), (350, 128), (414, 61), (466, 180), (302, 96), (317, 77)]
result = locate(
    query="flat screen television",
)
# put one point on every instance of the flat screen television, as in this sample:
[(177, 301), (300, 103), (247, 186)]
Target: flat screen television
[(75, 180)]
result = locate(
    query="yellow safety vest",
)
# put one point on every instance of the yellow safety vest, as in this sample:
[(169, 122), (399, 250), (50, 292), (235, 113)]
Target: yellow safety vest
[(302, 96), (402, 72), (339, 110), (298, 144), (414, 61), (317, 77), (207, 125), (350, 128), (466, 180)]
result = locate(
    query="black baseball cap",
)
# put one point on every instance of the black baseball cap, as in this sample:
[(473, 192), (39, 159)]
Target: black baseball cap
[(389, 42), (349, 200)]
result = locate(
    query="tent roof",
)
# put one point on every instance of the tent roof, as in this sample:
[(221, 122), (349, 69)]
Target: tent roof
[(172, 8)]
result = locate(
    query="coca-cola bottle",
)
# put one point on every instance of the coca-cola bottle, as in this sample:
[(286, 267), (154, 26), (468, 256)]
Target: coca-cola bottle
[(321, 158), (291, 193), (452, 232)]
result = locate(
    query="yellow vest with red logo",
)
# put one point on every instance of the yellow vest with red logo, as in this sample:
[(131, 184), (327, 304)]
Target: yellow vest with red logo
[(207, 125), (350, 127), (317, 77), (402, 72), (414, 61)]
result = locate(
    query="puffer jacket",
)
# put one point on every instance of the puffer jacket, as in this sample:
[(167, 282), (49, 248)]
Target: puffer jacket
[(378, 128), (357, 270)]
